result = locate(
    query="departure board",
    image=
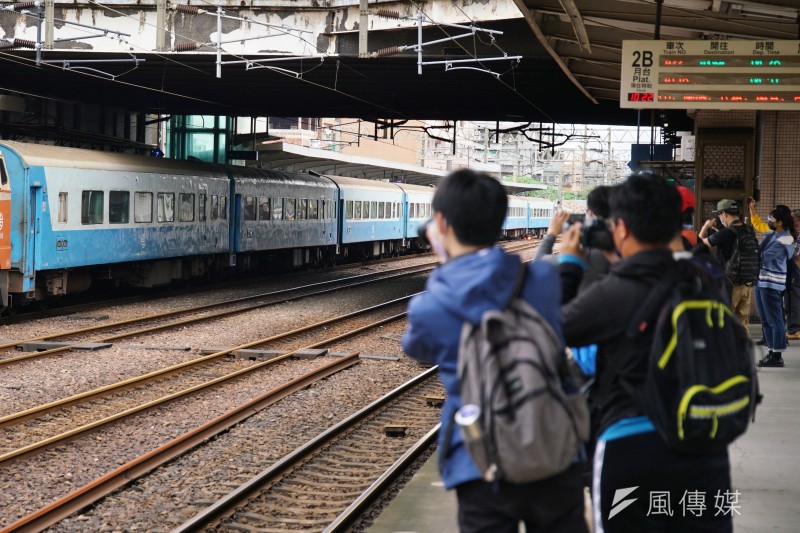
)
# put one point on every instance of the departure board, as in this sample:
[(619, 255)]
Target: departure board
[(690, 74)]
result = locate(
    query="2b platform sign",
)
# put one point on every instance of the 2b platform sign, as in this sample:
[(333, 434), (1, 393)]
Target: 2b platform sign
[(710, 74)]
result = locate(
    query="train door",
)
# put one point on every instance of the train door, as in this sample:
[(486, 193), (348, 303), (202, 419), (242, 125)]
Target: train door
[(5, 232), (34, 226), (236, 224)]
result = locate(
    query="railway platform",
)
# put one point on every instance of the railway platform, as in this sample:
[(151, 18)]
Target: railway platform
[(765, 466)]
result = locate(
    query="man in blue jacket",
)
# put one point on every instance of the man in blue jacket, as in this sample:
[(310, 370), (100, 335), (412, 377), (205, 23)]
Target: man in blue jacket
[(469, 209)]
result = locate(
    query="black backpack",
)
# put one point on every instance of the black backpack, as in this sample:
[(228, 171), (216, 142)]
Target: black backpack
[(745, 262), (701, 387)]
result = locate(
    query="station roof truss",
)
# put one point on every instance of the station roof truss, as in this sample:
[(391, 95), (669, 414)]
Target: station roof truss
[(569, 71)]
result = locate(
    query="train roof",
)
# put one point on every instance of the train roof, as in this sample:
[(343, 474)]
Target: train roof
[(410, 187), (287, 178), (45, 155), (358, 183)]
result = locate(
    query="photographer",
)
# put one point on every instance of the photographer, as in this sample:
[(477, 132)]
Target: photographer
[(595, 238), (645, 218), (475, 276)]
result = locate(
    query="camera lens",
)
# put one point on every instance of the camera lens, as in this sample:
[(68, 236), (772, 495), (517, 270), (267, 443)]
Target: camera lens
[(422, 229)]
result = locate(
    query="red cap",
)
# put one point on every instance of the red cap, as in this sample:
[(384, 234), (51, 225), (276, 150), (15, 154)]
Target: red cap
[(687, 198)]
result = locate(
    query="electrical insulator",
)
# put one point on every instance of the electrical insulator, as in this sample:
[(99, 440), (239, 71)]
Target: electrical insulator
[(391, 50), (388, 13), (22, 5), (192, 10), (24, 43), (187, 47)]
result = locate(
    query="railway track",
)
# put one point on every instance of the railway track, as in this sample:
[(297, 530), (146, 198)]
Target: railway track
[(183, 317), (332, 477), (324, 484), (56, 419), (191, 315)]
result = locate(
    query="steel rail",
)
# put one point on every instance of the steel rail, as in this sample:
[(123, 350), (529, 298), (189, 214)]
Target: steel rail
[(400, 272), (127, 473), (61, 438), (229, 502)]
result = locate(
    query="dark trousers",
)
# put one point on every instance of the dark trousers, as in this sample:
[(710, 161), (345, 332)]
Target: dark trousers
[(793, 298), (553, 505), (641, 485)]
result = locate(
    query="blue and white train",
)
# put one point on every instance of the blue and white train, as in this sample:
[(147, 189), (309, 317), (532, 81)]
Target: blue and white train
[(70, 217)]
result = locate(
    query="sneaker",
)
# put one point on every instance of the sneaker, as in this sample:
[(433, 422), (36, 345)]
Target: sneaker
[(793, 336), (772, 359)]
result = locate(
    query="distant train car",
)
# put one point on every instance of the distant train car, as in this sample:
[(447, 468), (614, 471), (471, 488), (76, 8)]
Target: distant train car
[(371, 216), (417, 209), (276, 210), (540, 211), (78, 214)]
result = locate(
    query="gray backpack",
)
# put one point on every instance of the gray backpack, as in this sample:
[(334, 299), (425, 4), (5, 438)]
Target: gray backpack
[(518, 422)]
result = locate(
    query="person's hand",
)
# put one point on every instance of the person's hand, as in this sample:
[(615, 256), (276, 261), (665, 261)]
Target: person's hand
[(557, 223), (751, 203), (571, 241), (708, 223)]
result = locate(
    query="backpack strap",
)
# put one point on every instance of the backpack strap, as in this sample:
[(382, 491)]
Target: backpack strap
[(519, 286), (653, 303)]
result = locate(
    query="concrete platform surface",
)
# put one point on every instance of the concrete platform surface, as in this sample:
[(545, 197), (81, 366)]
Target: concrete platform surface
[(765, 466)]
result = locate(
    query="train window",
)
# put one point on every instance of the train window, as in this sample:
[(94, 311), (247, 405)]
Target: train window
[(165, 207), (119, 207), (249, 207), (373, 210), (62, 207), (92, 207), (263, 208), (223, 207), (381, 210), (143, 207), (323, 205), (186, 207), (214, 207), (349, 209), (357, 211), (313, 209), (289, 206), (3, 172), (302, 209), (201, 214), (331, 210), (277, 209)]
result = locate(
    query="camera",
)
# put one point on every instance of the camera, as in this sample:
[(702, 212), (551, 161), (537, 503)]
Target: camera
[(595, 232), (422, 229)]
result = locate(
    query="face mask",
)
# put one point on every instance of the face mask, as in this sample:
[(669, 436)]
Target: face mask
[(771, 225)]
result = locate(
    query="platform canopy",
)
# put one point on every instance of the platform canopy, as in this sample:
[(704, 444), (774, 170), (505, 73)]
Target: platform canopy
[(295, 158)]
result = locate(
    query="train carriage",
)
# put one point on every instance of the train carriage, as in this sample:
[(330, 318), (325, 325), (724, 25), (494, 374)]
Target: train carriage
[(370, 221), (540, 211), (416, 210), (276, 210), (73, 208)]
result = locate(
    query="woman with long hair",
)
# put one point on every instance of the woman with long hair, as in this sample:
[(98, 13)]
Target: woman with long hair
[(776, 249)]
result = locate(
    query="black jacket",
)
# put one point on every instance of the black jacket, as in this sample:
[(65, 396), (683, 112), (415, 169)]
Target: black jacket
[(601, 315)]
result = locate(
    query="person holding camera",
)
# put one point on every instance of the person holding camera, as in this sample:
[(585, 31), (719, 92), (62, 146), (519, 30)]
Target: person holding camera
[(629, 454), (596, 237), (475, 276)]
